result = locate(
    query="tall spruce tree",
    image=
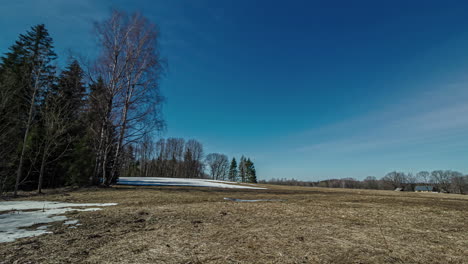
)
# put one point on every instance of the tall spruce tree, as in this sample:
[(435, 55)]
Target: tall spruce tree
[(233, 170), (10, 129), (29, 70), (251, 174), (70, 93), (242, 169), (71, 90)]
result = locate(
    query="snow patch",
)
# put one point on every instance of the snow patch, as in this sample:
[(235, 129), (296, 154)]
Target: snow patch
[(13, 220), (27, 205), (156, 181), (253, 201), (71, 222)]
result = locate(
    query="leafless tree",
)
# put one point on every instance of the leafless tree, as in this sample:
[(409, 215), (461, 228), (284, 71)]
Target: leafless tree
[(371, 182), (193, 159), (176, 158), (412, 180), (55, 128), (424, 177), (131, 66), (443, 179), (129, 165), (160, 165), (218, 164), (395, 179), (459, 183), (174, 155), (100, 105), (145, 155), (37, 81)]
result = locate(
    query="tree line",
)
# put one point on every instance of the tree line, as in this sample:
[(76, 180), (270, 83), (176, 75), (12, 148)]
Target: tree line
[(443, 180), (82, 125), (180, 158), (93, 121), (44, 116)]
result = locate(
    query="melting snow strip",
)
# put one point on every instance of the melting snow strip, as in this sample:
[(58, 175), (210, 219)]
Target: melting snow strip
[(157, 181), (13, 220), (252, 201), (70, 222), (27, 205)]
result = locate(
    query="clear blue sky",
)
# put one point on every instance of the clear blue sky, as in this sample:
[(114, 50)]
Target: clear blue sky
[(308, 89)]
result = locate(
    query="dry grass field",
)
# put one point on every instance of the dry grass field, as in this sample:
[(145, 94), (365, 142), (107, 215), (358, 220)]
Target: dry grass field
[(196, 225)]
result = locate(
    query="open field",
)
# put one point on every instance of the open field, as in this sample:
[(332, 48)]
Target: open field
[(196, 225)]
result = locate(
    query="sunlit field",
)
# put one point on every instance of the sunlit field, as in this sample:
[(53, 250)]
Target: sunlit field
[(197, 225)]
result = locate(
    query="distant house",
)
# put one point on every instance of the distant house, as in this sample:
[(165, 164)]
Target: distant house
[(422, 188)]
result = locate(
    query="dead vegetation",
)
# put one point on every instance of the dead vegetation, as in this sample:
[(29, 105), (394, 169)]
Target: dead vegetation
[(196, 225)]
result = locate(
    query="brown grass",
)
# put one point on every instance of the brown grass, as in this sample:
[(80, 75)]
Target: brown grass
[(195, 225)]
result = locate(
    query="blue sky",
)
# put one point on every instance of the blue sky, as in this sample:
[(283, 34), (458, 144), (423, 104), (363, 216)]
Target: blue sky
[(308, 89)]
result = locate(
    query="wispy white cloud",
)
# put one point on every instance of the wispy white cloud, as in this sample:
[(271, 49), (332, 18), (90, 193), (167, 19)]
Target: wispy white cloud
[(437, 117)]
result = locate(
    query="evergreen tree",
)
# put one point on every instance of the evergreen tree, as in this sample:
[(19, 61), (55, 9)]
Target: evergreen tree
[(71, 90), (79, 163), (10, 129), (29, 72), (242, 169), (29, 67), (69, 94), (251, 174), (233, 170)]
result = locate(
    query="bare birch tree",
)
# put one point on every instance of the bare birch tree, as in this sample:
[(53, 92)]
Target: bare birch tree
[(37, 85), (218, 164), (131, 66), (55, 136), (194, 164)]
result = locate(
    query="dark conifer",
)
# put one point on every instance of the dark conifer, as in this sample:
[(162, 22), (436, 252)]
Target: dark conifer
[(29, 70), (251, 174), (233, 170)]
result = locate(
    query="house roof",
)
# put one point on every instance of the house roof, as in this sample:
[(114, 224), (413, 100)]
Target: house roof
[(424, 188)]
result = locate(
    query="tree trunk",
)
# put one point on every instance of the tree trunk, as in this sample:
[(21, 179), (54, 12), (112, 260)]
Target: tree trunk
[(104, 167), (116, 165), (41, 174), (19, 172)]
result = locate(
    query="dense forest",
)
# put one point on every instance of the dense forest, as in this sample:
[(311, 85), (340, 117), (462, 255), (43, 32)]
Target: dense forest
[(93, 121)]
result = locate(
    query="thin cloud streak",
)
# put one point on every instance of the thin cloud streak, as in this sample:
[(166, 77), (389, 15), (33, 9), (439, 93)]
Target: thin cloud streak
[(435, 118)]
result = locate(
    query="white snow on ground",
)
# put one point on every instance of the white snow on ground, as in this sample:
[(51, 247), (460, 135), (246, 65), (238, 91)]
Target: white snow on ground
[(71, 222), (253, 201), (26, 205), (13, 220), (156, 181)]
